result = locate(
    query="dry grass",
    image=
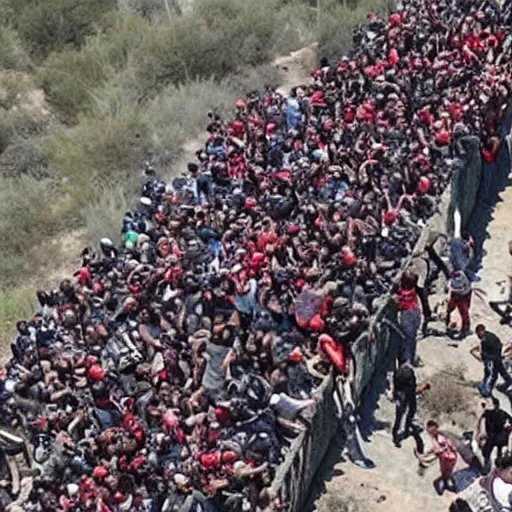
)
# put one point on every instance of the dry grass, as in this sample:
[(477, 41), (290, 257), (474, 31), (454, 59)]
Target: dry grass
[(449, 393), (337, 503)]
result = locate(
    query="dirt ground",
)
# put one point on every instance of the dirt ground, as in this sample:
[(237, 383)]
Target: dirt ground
[(395, 484)]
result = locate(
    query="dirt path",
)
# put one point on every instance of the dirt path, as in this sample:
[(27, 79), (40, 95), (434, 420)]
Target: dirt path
[(395, 484)]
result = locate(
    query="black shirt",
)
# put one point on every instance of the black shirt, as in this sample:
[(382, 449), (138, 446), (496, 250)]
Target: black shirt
[(491, 346), (404, 381), (495, 420)]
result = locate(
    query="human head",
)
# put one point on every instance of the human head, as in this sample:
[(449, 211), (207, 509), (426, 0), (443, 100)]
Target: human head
[(432, 428), (480, 330), (504, 467), (459, 505)]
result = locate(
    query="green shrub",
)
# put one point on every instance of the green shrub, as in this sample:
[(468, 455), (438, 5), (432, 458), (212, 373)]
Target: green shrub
[(23, 158), (103, 216), (51, 26), (26, 220), (15, 304), (148, 9), (12, 53), (69, 79)]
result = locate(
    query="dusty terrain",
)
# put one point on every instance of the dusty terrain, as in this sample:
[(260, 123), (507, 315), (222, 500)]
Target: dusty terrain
[(395, 484)]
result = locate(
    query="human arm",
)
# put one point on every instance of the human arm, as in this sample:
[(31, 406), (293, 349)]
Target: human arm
[(147, 337), (481, 433), (476, 353)]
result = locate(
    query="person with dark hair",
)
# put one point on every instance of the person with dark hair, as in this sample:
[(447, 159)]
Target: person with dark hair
[(460, 505), (492, 493), (404, 395), (490, 353), (410, 316), (443, 450), (494, 428)]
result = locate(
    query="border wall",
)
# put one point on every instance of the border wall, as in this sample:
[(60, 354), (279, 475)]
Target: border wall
[(296, 474), (474, 190), (484, 182)]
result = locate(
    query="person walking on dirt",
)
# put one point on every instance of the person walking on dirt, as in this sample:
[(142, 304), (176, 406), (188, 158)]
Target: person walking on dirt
[(490, 353), (445, 451), (494, 428), (404, 395)]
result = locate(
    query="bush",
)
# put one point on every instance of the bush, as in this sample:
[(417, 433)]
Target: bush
[(103, 217), (448, 393), (69, 79), (51, 26), (23, 158), (15, 304), (148, 9), (26, 220), (12, 54)]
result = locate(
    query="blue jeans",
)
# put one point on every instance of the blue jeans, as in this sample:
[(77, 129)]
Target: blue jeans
[(409, 323), (493, 368)]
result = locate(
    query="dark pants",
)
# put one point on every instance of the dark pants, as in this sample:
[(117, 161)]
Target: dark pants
[(489, 446), (405, 406), (493, 441), (493, 368)]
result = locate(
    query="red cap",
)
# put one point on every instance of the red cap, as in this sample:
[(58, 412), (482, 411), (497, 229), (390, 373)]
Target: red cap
[(349, 258), (240, 103), (250, 203), (390, 217), (443, 137), (96, 372), (296, 356), (424, 185), (84, 275), (222, 415), (328, 126), (100, 472), (270, 128), (138, 462), (317, 98)]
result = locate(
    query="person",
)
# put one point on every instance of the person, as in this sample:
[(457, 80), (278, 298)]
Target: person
[(491, 493), (443, 450), (404, 395), (410, 317), (490, 354), (494, 427), (460, 299), (161, 359)]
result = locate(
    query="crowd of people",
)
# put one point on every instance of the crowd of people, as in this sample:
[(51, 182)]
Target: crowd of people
[(172, 371)]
